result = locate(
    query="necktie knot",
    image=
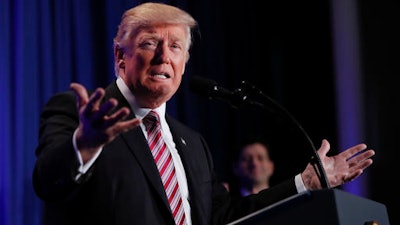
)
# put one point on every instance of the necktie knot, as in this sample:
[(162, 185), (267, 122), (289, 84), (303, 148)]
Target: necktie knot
[(151, 120)]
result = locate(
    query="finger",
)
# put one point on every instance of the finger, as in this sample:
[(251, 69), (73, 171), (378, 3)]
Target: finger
[(352, 176), (365, 164), (361, 157), (120, 115), (361, 164), (352, 151), (101, 114), (324, 149), (358, 170), (91, 108), (81, 94), (127, 125), (95, 100), (123, 126)]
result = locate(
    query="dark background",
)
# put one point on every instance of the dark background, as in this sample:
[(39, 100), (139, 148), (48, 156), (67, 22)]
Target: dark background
[(341, 90)]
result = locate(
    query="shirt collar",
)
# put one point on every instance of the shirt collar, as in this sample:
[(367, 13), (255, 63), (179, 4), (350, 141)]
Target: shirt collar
[(140, 113)]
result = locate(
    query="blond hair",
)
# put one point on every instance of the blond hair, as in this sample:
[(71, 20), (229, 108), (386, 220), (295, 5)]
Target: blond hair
[(151, 14)]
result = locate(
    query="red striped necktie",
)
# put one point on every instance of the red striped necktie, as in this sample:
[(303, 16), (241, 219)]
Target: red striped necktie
[(165, 165)]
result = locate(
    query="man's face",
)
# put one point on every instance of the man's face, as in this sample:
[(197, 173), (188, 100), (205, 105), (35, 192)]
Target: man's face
[(155, 64), (255, 164)]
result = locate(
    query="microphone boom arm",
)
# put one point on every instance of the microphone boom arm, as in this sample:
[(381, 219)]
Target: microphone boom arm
[(315, 159)]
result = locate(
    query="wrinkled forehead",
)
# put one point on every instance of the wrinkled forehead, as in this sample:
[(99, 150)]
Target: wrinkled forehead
[(174, 32)]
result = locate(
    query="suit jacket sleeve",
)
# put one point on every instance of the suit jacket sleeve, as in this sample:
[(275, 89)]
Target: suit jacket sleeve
[(56, 164)]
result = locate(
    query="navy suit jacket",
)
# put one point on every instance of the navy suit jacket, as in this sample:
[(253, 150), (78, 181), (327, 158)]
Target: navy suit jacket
[(123, 186)]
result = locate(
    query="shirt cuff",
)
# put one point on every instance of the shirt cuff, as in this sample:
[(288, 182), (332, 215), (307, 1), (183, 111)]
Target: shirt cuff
[(83, 168), (299, 184)]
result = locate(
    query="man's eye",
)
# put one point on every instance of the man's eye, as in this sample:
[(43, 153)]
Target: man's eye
[(148, 44), (176, 46)]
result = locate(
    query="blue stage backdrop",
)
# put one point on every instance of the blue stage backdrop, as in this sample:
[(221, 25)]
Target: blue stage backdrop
[(311, 52)]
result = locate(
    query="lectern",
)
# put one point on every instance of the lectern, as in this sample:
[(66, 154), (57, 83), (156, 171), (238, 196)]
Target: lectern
[(321, 207)]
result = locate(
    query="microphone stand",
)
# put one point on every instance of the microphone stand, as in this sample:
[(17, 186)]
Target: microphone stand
[(315, 159)]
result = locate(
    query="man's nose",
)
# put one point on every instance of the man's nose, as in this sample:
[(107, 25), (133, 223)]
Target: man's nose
[(163, 54)]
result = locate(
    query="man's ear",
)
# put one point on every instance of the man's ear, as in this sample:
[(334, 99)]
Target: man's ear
[(118, 52), (119, 56), (121, 64)]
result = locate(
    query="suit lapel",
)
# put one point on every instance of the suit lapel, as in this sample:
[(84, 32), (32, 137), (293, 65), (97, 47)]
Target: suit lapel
[(140, 149), (137, 144), (189, 156)]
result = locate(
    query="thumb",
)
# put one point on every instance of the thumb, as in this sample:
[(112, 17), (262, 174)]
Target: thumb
[(81, 94), (324, 149)]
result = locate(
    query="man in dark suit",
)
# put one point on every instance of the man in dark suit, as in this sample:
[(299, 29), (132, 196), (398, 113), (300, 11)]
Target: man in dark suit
[(94, 164), (252, 167)]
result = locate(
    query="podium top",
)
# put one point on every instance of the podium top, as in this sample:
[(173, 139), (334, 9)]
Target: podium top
[(327, 206), (273, 207)]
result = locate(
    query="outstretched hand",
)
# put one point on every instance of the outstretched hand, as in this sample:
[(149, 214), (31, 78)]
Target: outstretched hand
[(97, 125), (341, 168)]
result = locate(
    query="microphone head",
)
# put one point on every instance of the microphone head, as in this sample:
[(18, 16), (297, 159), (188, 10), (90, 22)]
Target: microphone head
[(203, 86), (210, 89)]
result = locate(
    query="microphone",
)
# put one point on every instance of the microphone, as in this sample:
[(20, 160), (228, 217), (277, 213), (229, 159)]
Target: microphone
[(240, 97), (210, 89)]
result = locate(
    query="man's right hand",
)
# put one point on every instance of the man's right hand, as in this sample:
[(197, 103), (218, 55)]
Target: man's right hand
[(97, 126)]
